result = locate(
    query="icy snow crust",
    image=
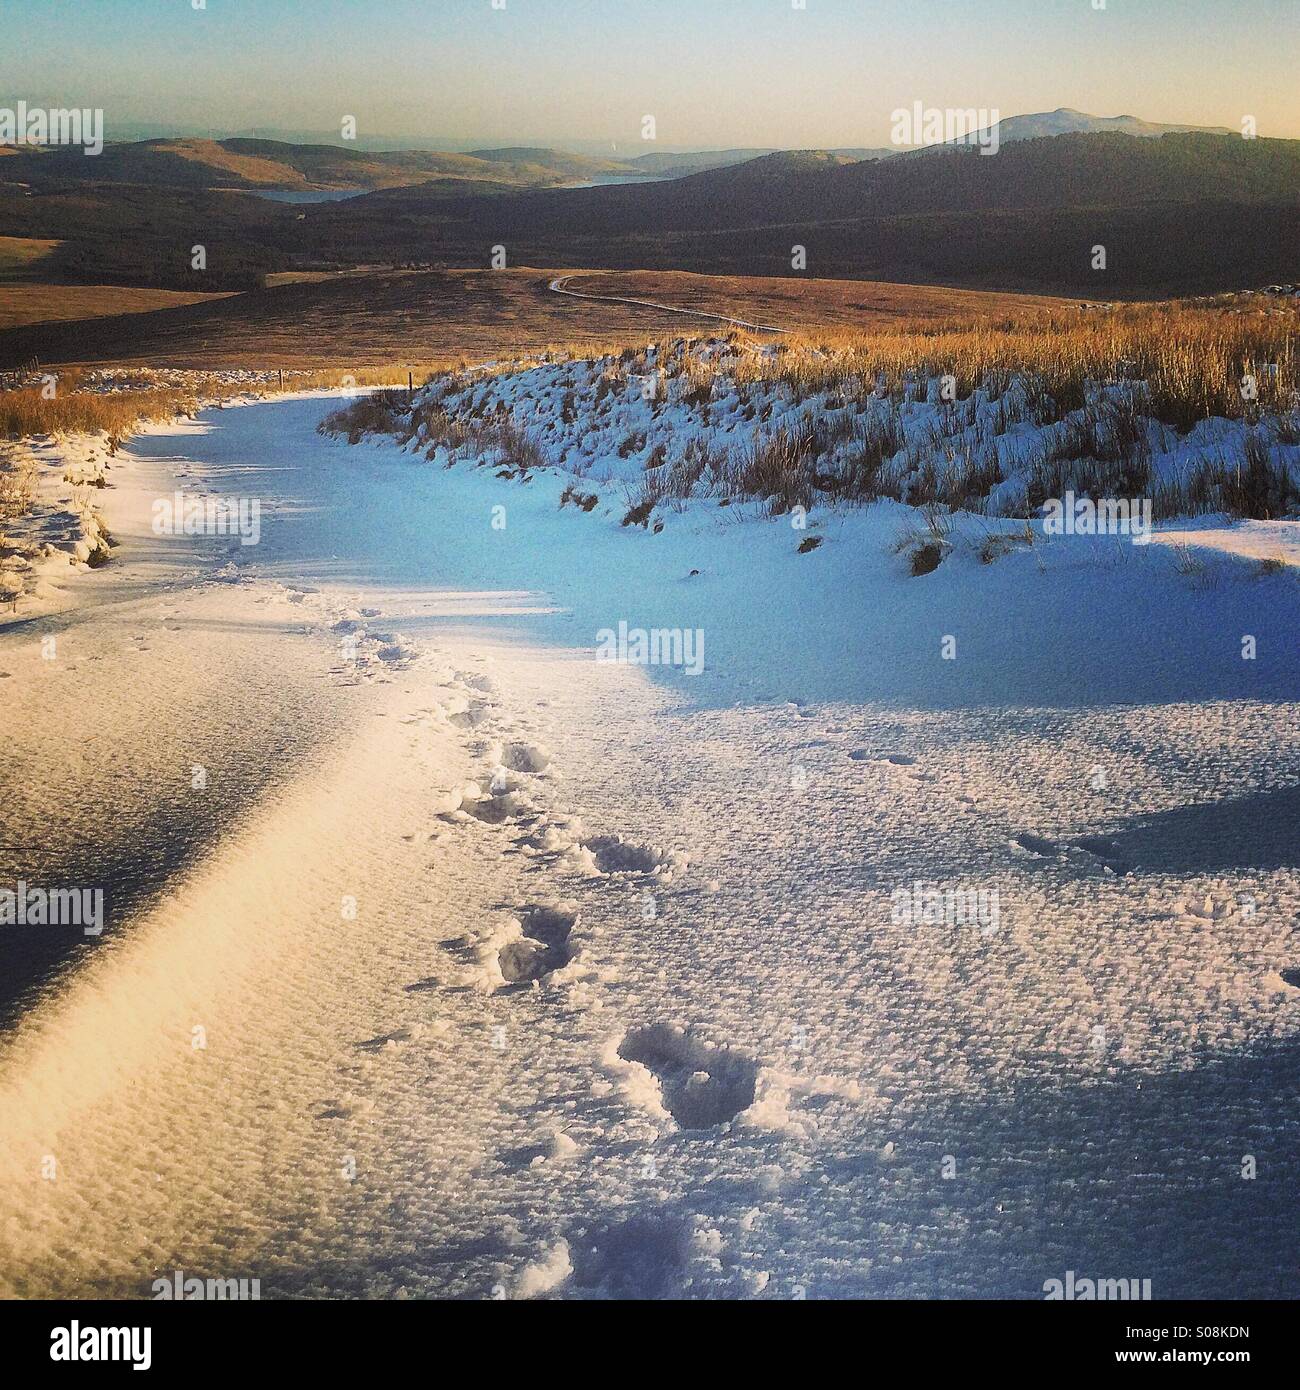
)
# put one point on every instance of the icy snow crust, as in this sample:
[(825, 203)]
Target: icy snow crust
[(520, 974)]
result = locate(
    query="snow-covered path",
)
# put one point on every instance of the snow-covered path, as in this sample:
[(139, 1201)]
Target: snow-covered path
[(657, 1005)]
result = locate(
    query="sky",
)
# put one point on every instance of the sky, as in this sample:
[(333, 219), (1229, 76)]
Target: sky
[(713, 73)]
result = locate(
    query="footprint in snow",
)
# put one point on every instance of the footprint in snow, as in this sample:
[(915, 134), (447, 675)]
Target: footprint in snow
[(612, 854), (430, 982), (700, 1086), (641, 1257), (531, 758), (496, 810), (470, 718), (542, 949), (1105, 850)]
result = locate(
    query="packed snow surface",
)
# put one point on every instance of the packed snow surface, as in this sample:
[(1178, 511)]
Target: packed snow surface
[(936, 938)]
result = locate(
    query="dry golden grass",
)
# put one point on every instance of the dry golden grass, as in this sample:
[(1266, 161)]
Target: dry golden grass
[(1196, 359), (801, 302), (21, 256), (476, 315), (17, 489), (304, 277), (1193, 359), (27, 413), (251, 169), (361, 321), (22, 304)]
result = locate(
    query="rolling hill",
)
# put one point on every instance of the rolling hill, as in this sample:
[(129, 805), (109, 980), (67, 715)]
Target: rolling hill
[(259, 164), (244, 162), (699, 161), (414, 317), (1178, 211), (812, 187)]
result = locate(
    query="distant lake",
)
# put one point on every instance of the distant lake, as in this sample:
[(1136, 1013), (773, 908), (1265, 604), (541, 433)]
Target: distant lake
[(604, 179), (287, 195), (338, 195)]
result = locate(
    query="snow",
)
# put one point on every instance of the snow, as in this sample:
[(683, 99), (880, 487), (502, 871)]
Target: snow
[(1269, 542), (519, 973), (546, 1273), (63, 528)]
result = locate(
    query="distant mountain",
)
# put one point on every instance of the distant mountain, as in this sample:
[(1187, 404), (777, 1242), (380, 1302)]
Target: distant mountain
[(1068, 121), (1074, 170)]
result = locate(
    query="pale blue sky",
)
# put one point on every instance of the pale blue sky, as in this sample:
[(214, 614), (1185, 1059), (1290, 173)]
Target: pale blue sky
[(712, 72)]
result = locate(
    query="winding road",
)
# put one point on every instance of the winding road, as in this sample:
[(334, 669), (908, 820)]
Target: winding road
[(560, 281)]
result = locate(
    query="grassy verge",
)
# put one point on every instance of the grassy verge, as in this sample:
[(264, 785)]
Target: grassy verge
[(1193, 406), (1190, 360), (17, 488)]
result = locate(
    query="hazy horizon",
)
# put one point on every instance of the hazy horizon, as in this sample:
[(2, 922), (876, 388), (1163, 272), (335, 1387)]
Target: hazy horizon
[(581, 74), (129, 132)]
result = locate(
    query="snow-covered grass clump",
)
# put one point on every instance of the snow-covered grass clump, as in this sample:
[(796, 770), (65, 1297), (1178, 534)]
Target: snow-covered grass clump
[(1194, 410)]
